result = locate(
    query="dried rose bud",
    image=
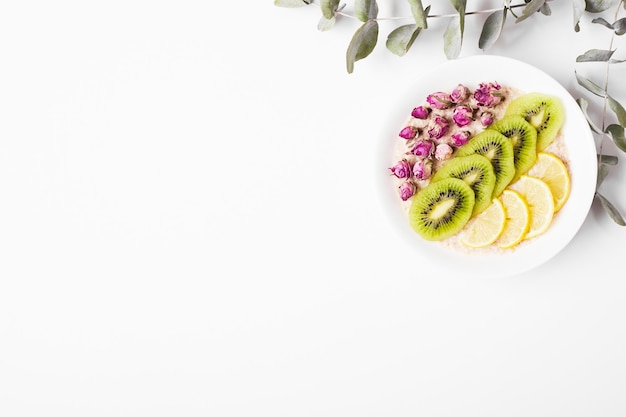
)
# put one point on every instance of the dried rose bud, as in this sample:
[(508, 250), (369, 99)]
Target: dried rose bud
[(459, 93), (408, 133), (488, 95), (402, 169), (420, 112), (423, 169), (407, 189), (439, 100), (486, 118), (423, 148), (460, 138), (438, 127), (443, 152), (462, 116)]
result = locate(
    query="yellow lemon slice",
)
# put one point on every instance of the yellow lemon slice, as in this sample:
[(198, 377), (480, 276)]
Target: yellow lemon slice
[(540, 203), (486, 227), (517, 219), (550, 169)]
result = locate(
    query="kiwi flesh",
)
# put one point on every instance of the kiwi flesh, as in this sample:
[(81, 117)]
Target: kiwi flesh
[(498, 149), (442, 208), (545, 112), (477, 171), (523, 136)]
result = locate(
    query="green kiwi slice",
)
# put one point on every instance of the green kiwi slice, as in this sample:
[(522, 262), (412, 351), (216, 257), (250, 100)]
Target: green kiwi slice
[(545, 112), (523, 136), (477, 171), (442, 208), (498, 149)]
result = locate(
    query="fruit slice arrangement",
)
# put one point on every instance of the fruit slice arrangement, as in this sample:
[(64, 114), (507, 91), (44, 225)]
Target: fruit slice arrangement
[(501, 187)]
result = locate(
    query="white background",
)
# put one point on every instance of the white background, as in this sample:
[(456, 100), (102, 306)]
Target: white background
[(189, 227)]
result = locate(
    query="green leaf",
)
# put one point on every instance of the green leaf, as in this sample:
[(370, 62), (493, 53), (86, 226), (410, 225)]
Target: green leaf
[(583, 104), (617, 134), (401, 39), (590, 86), (326, 24), (459, 6), (618, 109), (531, 8), (608, 159), (597, 6), (620, 26), (546, 10), (419, 14), (611, 210), (600, 55), (328, 8), (603, 171), (579, 8), (452, 39), (603, 22), (362, 43), (492, 29), (365, 10), (292, 3)]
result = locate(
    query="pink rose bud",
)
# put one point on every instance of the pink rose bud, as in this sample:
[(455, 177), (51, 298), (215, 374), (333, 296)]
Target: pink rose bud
[(402, 169), (408, 133), (423, 148), (443, 152), (407, 189), (486, 118), (420, 112), (488, 95), (439, 100), (459, 93), (462, 116), (460, 138), (423, 169), (438, 128)]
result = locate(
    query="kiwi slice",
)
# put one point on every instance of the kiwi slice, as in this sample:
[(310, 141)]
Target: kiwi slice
[(523, 136), (477, 171), (545, 112), (498, 149), (442, 208)]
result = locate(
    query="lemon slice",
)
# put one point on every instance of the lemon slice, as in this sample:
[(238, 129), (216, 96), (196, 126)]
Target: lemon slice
[(486, 227), (550, 169), (540, 203), (517, 219)]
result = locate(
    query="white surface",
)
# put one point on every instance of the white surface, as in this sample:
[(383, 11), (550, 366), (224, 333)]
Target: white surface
[(576, 137), (189, 227)]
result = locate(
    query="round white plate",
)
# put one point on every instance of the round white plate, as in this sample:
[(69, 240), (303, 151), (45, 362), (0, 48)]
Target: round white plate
[(582, 162)]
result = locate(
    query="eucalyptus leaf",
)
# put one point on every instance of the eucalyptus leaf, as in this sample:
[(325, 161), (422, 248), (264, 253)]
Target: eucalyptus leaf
[(492, 29), (590, 86), (546, 10), (617, 61), (459, 6), (579, 8), (619, 111), (617, 134), (453, 39), (620, 26), (611, 210), (531, 8), (328, 8), (583, 104), (401, 39), (597, 6), (292, 3), (362, 43), (419, 14), (603, 171), (365, 10), (608, 159), (326, 24), (603, 22), (601, 55)]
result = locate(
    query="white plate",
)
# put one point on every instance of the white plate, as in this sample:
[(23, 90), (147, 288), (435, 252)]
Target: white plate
[(577, 138)]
